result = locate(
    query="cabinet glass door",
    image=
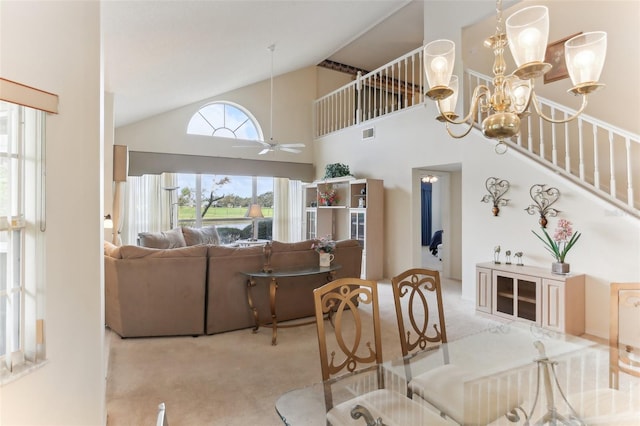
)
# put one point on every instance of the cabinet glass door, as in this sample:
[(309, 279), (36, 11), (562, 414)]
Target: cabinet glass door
[(357, 227), (516, 296), (504, 294), (311, 225)]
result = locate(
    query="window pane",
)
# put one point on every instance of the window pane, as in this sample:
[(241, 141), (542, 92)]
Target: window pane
[(225, 120)]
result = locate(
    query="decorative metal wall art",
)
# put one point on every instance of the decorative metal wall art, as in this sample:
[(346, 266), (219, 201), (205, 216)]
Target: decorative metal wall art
[(544, 198), (497, 188)]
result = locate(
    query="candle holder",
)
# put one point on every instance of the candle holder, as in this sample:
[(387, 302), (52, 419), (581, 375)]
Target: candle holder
[(497, 188), (543, 198)]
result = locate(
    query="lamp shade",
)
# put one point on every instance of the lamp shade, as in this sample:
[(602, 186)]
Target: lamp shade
[(519, 93), (254, 211), (448, 105), (528, 34), (439, 56), (108, 222), (584, 55)]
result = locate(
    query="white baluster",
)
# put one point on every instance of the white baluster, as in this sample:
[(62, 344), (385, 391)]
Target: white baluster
[(581, 149), (541, 136), (612, 177), (596, 161), (554, 150), (630, 199), (567, 149)]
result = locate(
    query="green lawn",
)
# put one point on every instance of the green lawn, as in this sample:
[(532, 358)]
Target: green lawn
[(186, 212)]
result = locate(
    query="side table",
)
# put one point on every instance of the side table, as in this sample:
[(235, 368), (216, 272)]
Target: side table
[(254, 276)]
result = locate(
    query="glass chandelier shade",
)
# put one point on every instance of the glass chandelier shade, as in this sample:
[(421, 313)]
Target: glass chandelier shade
[(527, 35), (439, 57), (448, 105), (584, 55)]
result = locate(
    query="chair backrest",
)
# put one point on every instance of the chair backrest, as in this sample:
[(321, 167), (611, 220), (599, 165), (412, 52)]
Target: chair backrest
[(162, 416), (417, 294), (354, 342), (624, 332)]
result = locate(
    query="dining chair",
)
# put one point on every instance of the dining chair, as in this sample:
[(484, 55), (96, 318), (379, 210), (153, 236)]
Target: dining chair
[(352, 349), (417, 295), (624, 357), (162, 415)]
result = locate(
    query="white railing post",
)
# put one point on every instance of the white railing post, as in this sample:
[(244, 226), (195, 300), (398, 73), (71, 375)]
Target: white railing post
[(596, 161), (567, 152), (612, 167), (359, 97), (581, 149), (630, 200)]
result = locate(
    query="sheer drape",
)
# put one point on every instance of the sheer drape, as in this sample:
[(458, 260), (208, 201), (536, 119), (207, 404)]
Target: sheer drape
[(148, 205), (287, 210)]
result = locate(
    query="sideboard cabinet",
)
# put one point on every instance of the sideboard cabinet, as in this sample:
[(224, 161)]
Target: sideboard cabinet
[(355, 212), (532, 294)]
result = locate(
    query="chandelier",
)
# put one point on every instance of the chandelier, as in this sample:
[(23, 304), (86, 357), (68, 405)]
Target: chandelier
[(527, 33)]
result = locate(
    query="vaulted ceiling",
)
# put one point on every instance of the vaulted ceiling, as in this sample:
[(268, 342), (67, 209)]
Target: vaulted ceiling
[(160, 55)]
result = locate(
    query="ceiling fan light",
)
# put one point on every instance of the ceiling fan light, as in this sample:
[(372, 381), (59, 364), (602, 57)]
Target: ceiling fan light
[(439, 56), (528, 34), (585, 55)]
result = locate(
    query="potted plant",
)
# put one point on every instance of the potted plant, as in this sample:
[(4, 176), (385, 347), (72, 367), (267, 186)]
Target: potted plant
[(563, 239), (335, 170)]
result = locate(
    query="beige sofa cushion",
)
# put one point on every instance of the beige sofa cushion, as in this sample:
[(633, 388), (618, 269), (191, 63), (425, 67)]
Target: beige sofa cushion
[(204, 235), (162, 240), (135, 252)]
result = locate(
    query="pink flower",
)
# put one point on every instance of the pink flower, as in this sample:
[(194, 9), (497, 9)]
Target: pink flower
[(564, 231)]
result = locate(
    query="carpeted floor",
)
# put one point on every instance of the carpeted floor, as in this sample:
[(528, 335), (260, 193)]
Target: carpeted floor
[(235, 378)]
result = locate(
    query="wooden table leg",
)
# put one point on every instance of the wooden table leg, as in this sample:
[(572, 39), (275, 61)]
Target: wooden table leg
[(250, 284), (273, 286)]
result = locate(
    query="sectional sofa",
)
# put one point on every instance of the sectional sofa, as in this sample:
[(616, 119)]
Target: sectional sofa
[(200, 289)]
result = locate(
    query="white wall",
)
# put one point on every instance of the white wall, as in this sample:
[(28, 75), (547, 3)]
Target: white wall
[(608, 251), (55, 46), (293, 96)]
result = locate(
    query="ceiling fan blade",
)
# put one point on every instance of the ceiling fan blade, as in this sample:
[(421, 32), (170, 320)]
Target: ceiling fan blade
[(293, 145), (264, 151), (284, 148)]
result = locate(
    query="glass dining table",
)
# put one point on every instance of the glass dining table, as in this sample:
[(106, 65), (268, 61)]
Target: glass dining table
[(554, 378)]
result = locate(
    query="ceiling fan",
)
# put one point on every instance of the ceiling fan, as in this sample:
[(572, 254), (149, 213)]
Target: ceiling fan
[(271, 145)]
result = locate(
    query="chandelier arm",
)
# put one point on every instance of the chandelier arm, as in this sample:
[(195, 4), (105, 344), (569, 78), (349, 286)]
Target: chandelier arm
[(479, 92), (453, 135), (534, 100)]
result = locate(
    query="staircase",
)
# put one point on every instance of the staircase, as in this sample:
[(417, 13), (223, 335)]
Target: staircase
[(594, 155)]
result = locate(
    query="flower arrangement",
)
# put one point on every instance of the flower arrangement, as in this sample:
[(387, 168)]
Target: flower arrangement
[(563, 239), (324, 245), (329, 197)]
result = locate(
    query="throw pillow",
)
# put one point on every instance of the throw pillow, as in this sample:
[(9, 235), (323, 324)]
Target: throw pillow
[(205, 235), (162, 240)]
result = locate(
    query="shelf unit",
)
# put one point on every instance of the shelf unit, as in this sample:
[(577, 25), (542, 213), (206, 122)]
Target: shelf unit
[(357, 214), (527, 293)]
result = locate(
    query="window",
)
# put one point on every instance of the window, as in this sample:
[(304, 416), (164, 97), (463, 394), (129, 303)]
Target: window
[(21, 131), (225, 120), (223, 201)]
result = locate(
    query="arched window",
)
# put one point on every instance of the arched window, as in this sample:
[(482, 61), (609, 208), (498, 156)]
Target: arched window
[(225, 120)]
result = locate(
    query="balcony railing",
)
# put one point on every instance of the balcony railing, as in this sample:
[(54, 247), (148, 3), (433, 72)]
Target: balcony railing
[(388, 89), (598, 156)]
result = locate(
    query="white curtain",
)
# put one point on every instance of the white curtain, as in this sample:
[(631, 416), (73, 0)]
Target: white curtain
[(287, 210), (149, 203), (118, 212)]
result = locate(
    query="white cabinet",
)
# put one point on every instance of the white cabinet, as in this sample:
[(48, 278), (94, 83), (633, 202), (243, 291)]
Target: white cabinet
[(355, 212), (527, 293)]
